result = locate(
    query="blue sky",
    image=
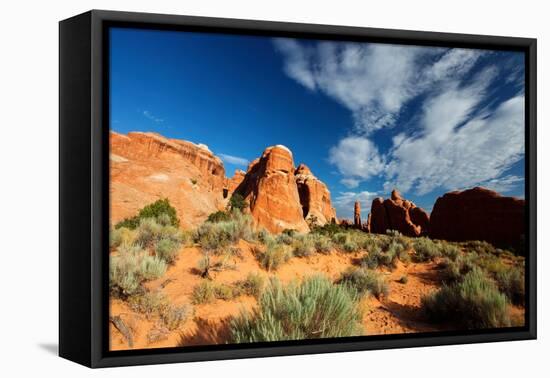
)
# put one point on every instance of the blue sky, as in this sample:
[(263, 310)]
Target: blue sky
[(364, 117)]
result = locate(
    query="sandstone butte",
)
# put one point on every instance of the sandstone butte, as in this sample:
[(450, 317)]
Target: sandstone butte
[(396, 213), (148, 166), (478, 214)]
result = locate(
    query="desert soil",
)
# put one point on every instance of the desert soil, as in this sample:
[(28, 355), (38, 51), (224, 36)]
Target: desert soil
[(397, 313)]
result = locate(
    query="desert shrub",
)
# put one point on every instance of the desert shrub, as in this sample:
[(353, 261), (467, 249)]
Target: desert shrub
[(149, 304), (303, 246), (218, 216), (321, 243), (211, 236), (154, 210), (390, 256), (340, 238), (285, 239), (450, 251), (454, 270), (365, 281), (274, 255), (315, 308), (289, 232), (121, 236), (328, 229), (480, 247), (371, 259), (174, 316), (252, 285), (425, 249), (147, 232), (473, 303), (214, 236), (511, 282), (404, 279), (207, 291), (167, 250), (351, 246), (262, 235), (237, 202), (130, 267)]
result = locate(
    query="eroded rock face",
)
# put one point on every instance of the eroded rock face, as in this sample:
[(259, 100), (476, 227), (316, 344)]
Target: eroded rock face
[(396, 213), (234, 182), (146, 167), (270, 188), (314, 196), (478, 214)]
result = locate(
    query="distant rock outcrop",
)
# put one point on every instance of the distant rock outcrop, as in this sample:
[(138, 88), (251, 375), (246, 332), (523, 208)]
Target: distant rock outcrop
[(398, 214), (478, 214), (357, 215)]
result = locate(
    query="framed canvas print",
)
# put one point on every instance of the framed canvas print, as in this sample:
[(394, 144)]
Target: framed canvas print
[(233, 188)]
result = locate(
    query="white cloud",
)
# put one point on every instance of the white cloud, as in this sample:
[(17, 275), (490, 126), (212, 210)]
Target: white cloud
[(481, 150), (504, 184), (344, 203), (230, 159), (350, 183), (297, 65), (374, 81), (357, 158), (462, 137), (152, 117)]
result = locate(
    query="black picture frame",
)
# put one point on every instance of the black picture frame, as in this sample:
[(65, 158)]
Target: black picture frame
[(84, 187)]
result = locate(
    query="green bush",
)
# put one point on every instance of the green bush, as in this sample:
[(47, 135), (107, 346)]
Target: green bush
[(285, 239), (174, 316), (315, 308), (425, 249), (371, 259), (253, 285), (214, 236), (328, 229), (156, 209), (207, 291), (121, 236), (404, 279), (130, 267), (149, 303), (511, 282), (340, 238), (366, 282), (302, 246), (237, 202), (473, 303), (167, 250), (219, 216), (454, 270), (350, 246), (274, 255), (321, 243), (450, 251)]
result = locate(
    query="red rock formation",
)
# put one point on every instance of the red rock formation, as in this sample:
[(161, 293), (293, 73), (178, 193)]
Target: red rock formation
[(270, 188), (397, 214), (314, 196), (146, 167), (357, 214), (233, 183), (478, 214)]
